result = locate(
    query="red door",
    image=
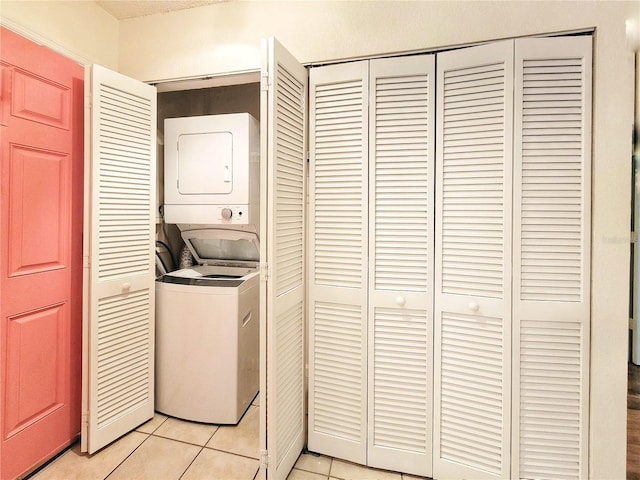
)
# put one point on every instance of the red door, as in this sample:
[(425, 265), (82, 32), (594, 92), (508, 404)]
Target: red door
[(41, 183)]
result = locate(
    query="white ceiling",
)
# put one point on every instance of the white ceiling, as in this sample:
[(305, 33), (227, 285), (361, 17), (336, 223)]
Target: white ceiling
[(122, 9)]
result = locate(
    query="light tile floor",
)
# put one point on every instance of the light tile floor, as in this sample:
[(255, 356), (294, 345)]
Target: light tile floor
[(167, 448)]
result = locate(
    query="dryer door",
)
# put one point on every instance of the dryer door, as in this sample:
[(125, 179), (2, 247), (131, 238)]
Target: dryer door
[(205, 163)]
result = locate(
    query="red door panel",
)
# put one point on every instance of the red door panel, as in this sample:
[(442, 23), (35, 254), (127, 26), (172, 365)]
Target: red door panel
[(32, 391), (41, 181), (38, 99), (39, 201)]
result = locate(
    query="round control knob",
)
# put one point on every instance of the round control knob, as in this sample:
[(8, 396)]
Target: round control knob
[(227, 213), (473, 306), (126, 286), (400, 301)]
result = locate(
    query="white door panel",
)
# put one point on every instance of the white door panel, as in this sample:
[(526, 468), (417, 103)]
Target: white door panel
[(282, 295), (401, 224), (338, 261), (472, 380), (551, 257), (118, 324)]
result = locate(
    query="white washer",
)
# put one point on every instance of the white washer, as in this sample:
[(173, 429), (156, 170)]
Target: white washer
[(207, 337)]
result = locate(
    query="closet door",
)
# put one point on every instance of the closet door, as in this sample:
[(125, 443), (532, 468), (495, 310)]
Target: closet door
[(552, 168), (400, 324), (282, 292), (473, 263), (118, 319), (338, 261)]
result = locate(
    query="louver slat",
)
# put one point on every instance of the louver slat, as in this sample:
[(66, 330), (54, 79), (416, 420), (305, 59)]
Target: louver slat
[(551, 161), (123, 360), (121, 178), (471, 390), (289, 183), (289, 381), (338, 371), (473, 179), (401, 185), (551, 256), (550, 399), (400, 380), (339, 206)]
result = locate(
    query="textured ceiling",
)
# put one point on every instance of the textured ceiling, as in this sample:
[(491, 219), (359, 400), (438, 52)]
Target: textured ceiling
[(122, 9)]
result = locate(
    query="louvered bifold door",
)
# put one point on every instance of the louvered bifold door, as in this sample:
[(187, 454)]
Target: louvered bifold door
[(401, 224), (282, 301), (473, 262), (118, 329), (551, 247), (338, 261)]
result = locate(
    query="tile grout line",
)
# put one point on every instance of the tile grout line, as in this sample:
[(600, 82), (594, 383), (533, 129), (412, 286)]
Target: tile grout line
[(202, 447), (149, 435), (130, 454), (257, 458), (233, 453), (191, 462)]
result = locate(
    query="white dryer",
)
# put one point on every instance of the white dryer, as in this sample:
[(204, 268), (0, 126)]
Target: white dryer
[(207, 330)]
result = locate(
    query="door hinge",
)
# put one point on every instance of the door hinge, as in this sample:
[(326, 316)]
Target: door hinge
[(265, 82), (265, 272), (634, 237), (264, 459), (85, 419)]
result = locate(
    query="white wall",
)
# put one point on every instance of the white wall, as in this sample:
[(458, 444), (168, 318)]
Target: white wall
[(80, 30), (225, 38)]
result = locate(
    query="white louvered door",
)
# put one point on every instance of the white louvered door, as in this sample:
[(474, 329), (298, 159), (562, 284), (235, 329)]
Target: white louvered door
[(371, 262), (545, 274), (118, 325), (510, 266), (282, 291), (400, 324), (472, 379), (338, 261), (551, 257)]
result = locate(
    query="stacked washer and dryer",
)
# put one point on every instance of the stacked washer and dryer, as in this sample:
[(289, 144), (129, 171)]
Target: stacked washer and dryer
[(207, 315)]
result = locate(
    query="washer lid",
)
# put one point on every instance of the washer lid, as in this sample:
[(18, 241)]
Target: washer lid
[(216, 246), (209, 276)]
